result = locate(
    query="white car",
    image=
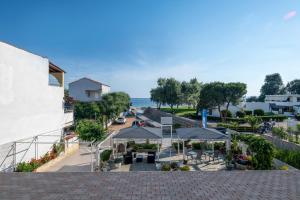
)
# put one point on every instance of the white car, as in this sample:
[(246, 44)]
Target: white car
[(120, 120)]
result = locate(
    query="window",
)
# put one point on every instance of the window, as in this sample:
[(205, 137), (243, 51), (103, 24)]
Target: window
[(92, 94), (88, 94), (298, 99)]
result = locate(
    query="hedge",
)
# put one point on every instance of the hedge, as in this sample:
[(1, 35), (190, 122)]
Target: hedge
[(229, 114), (248, 112), (278, 118), (258, 112), (239, 128), (240, 114)]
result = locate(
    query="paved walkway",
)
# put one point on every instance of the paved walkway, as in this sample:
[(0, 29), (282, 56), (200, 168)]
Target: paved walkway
[(80, 160)]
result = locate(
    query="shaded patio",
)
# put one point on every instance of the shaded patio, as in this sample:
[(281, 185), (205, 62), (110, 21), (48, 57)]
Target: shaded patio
[(205, 137), (137, 148)]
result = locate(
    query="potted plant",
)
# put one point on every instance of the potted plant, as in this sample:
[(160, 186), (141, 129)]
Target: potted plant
[(166, 167), (229, 161)]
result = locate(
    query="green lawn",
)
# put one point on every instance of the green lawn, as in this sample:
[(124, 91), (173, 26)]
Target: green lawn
[(180, 111)]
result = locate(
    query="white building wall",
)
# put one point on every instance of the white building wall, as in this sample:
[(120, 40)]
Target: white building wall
[(105, 89), (257, 105), (77, 90), (28, 105)]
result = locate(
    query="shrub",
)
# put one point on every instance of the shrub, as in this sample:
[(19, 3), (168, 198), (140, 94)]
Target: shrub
[(174, 166), (248, 112), (145, 146), (240, 114), (220, 146), (25, 167), (185, 168), (176, 126), (175, 144), (165, 167), (199, 145), (223, 113), (279, 132), (284, 167), (105, 155), (89, 130), (262, 151), (269, 114), (259, 112), (288, 156), (298, 117)]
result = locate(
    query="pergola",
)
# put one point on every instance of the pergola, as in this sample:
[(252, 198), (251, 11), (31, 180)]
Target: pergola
[(138, 134), (201, 134)]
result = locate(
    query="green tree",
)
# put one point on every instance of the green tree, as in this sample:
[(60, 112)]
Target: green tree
[(157, 94), (89, 130), (190, 92), (172, 92), (233, 94), (211, 96), (112, 104), (273, 85), (252, 99), (293, 87), (84, 110)]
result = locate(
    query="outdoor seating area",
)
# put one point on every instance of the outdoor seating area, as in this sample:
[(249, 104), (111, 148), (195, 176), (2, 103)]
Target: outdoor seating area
[(144, 149)]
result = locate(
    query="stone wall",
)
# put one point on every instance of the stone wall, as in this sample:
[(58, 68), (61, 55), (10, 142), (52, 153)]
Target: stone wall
[(282, 144)]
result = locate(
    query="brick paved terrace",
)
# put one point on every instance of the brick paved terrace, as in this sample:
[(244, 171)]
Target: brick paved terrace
[(152, 185)]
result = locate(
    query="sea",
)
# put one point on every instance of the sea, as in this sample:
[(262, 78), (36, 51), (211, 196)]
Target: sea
[(142, 102)]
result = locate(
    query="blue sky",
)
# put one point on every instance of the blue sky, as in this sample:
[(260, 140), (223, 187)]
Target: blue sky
[(130, 44)]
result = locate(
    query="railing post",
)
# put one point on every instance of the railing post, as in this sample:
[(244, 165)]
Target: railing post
[(92, 167), (14, 156), (35, 147)]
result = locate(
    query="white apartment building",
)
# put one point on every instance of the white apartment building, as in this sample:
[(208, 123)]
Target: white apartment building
[(288, 104), (87, 90), (31, 104)]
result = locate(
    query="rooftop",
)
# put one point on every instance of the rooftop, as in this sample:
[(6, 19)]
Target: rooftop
[(152, 185), (90, 80)]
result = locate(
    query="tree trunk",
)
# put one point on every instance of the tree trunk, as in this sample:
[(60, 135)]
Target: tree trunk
[(225, 115), (219, 109)]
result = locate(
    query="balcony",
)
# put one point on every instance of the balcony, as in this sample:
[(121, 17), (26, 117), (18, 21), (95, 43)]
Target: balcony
[(68, 115), (68, 118)]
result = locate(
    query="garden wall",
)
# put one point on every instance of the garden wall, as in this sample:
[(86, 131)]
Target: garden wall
[(282, 144), (156, 115)]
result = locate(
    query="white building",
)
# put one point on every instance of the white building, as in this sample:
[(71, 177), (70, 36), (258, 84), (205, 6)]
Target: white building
[(284, 104), (288, 104), (87, 90), (31, 104)]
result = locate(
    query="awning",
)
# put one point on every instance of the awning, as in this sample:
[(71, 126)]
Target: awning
[(139, 133), (204, 134)]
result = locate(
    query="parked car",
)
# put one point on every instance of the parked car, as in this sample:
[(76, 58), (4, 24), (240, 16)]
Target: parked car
[(120, 120), (138, 123)]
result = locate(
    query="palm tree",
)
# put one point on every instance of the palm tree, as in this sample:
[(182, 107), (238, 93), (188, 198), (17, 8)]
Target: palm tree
[(253, 121)]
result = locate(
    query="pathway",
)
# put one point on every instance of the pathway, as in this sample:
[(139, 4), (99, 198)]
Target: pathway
[(80, 160)]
